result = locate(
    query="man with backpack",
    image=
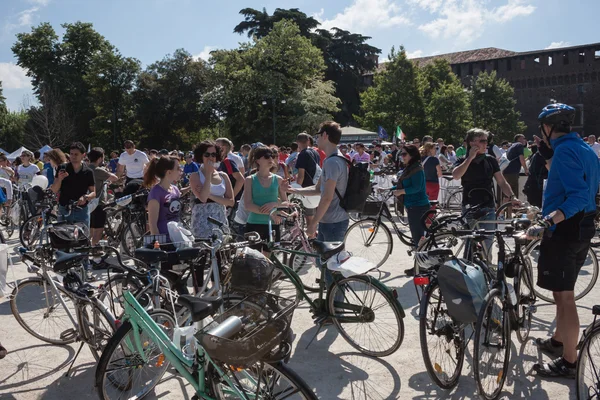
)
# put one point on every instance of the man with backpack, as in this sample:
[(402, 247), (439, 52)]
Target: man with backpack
[(330, 217), (308, 168)]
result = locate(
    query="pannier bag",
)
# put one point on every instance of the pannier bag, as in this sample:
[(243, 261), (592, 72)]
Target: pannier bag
[(251, 272), (463, 288), (68, 236)]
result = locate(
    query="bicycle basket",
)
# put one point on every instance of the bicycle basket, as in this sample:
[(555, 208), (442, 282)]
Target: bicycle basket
[(251, 272), (269, 320), (371, 208), (64, 237)]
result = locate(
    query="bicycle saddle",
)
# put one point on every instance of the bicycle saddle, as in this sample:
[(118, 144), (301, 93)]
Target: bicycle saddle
[(64, 261), (200, 307), (151, 256), (327, 249)]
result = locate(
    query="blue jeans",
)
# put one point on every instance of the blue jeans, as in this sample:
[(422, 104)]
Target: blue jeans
[(417, 230), (332, 232)]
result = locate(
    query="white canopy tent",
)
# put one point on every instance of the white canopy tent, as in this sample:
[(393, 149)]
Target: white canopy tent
[(17, 153), (43, 150), (3, 151)]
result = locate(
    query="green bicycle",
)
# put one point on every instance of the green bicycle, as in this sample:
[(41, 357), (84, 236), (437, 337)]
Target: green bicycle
[(242, 363), (365, 311)]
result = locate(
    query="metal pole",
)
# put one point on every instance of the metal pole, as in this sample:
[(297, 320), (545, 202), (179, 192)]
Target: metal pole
[(273, 120), (114, 118)]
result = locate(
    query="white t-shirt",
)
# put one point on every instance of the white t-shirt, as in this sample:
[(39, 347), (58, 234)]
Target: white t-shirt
[(26, 174), (236, 159), (4, 174), (596, 148), (134, 163)]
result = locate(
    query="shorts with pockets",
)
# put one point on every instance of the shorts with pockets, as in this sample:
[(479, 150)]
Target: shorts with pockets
[(560, 261)]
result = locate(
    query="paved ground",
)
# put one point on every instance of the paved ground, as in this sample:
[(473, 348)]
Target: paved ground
[(35, 370)]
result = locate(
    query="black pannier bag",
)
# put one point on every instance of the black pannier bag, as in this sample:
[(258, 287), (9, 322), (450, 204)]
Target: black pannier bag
[(68, 236), (463, 287), (251, 272)]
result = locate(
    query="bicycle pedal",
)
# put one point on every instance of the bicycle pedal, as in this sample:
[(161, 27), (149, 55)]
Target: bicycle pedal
[(69, 334)]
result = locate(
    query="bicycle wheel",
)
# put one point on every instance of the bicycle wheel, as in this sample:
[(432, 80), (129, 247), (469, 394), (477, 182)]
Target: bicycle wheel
[(112, 293), (588, 274), (588, 367), (454, 202), (369, 239), (98, 327), (441, 241), (31, 230), (366, 315), (39, 311), (261, 381), (132, 238), (306, 268), (492, 342), (526, 298), (442, 342), (121, 371)]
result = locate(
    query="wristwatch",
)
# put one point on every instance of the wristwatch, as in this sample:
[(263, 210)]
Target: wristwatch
[(548, 222)]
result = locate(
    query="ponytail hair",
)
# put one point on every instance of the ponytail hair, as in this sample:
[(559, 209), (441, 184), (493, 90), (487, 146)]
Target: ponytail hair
[(157, 169)]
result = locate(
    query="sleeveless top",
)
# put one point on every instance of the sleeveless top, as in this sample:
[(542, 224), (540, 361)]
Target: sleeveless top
[(262, 196), (216, 190)]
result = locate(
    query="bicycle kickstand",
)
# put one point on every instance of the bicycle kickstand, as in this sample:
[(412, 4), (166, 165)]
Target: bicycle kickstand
[(74, 359)]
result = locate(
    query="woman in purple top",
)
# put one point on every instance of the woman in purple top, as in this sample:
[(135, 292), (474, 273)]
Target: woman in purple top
[(163, 200)]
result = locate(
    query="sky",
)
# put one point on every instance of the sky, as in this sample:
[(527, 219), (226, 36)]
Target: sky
[(150, 29)]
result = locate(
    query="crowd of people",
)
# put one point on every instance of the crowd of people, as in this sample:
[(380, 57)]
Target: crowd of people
[(242, 188)]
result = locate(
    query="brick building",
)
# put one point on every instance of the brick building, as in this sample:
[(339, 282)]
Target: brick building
[(567, 75)]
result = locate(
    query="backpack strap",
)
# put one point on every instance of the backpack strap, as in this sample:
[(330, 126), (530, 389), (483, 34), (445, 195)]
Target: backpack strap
[(228, 167), (349, 166)]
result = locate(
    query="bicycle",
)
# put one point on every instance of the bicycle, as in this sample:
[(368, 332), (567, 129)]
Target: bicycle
[(370, 237), (61, 310), (452, 196), (588, 373), (238, 363), (350, 301), (34, 229)]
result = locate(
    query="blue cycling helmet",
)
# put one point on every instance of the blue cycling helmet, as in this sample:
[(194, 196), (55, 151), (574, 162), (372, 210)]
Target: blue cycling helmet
[(557, 113)]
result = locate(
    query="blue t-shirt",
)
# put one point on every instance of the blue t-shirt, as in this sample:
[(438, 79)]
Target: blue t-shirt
[(113, 164), (430, 167), (189, 169), (49, 173)]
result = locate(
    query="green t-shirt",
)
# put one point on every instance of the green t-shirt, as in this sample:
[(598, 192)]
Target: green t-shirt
[(461, 152)]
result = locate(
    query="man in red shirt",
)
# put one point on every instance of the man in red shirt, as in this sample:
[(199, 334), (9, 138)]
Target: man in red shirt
[(322, 155)]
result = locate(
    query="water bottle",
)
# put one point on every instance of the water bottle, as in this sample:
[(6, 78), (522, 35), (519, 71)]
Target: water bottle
[(184, 339), (228, 328), (512, 297)]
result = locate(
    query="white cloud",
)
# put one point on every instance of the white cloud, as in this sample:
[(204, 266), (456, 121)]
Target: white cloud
[(24, 18), (13, 77), (557, 45), (205, 53), (42, 3), (414, 54), (465, 20), (364, 15)]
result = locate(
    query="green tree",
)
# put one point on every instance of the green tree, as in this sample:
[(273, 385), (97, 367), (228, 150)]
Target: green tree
[(347, 55), (282, 70), (3, 109), (169, 99), (12, 129), (494, 107), (395, 98)]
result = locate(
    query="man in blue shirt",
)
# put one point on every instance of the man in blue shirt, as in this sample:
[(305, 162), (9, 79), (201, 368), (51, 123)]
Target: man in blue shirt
[(569, 208)]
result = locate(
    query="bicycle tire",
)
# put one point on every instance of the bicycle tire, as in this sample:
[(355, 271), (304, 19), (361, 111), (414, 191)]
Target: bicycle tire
[(29, 234), (307, 269), (56, 317), (112, 293), (98, 330), (454, 202), (590, 344), (275, 373), (502, 211), (360, 232), (590, 268), (440, 240), (102, 376), (493, 302), (366, 285), (526, 299), (435, 370), (132, 238)]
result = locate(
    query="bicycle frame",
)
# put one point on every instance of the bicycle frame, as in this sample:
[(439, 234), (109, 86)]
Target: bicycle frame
[(142, 322)]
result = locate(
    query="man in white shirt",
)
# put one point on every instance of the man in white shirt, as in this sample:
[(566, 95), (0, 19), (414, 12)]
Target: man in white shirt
[(228, 145), (132, 162), (594, 145)]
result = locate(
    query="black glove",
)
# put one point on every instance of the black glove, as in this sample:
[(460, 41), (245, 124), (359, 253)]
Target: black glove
[(545, 151)]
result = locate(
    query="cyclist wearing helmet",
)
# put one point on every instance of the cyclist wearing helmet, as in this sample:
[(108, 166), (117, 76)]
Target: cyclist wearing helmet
[(569, 208)]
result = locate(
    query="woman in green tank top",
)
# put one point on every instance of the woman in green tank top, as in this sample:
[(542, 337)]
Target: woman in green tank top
[(263, 191)]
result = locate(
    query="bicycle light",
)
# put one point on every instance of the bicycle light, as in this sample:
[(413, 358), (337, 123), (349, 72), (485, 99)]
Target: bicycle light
[(421, 280)]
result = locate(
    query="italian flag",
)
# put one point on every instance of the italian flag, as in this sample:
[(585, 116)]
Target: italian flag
[(400, 136)]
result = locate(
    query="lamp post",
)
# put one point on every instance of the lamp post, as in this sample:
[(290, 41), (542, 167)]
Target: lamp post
[(274, 100), (114, 122)]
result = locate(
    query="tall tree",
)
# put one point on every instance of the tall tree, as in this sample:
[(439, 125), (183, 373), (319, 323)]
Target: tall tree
[(395, 99), (494, 107), (169, 98), (347, 55), (284, 71), (3, 109)]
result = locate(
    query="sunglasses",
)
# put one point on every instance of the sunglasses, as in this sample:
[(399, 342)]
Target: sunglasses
[(268, 156), (403, 154), (207, 155)]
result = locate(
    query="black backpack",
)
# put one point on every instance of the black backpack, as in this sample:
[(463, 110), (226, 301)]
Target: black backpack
[(358, 188)]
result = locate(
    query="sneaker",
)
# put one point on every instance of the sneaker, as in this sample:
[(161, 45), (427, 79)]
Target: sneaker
[(548, 348), (555, 369), (3, 352), (89, 277)]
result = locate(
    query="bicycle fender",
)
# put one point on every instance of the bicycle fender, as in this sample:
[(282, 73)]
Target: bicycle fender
[(391, 294)]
